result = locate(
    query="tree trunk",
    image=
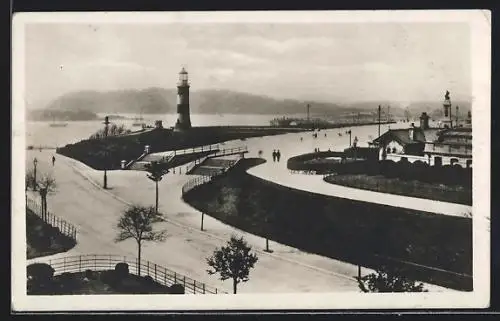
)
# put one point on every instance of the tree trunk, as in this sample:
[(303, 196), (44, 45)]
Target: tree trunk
[(235, 284), (156, 197), (41, 206), (139, 258), (202, 214), (267, 244)]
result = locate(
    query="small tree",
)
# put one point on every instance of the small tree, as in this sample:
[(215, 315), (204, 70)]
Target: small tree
[(387, 280), (29, 179), (156, 172), (46, 185), (137, 223), (233, 261)]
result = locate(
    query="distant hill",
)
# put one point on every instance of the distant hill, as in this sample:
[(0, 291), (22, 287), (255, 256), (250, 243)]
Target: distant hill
[(160, 100), (60, 115)]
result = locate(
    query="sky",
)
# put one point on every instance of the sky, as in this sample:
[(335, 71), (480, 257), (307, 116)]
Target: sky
[(333, 62)]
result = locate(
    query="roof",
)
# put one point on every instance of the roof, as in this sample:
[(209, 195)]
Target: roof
[(400, 135)]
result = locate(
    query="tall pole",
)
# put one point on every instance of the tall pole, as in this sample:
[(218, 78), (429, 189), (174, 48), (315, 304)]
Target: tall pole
[(35, 161), (308, 115), (388, 114), (106, 123), (456, 120), (379, 112)]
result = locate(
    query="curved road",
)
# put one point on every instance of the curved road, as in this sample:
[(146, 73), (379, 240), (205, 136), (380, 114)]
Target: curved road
[(95, 211)]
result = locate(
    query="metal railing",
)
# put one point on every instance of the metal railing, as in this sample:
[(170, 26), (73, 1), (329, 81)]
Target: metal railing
[(229, 151), (102, 262), (64, 227), (197, 181), (130, 163), (205, 148)]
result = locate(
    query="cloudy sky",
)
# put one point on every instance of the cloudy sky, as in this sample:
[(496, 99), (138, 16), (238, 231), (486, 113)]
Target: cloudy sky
[(328, 62)]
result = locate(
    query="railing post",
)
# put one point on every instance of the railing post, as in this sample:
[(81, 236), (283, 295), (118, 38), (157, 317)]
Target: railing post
[(64, 264), (155, 274), (95, 262), (175, 277), (184, 282), (203, 288), (148, 267), (80, 263)]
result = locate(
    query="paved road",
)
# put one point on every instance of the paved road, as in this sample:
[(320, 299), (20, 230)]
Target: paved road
[(94, 212), (82, 201)]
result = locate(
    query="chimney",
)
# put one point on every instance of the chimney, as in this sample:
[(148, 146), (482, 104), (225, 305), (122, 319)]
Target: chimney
[(412, 131), (424, 121)]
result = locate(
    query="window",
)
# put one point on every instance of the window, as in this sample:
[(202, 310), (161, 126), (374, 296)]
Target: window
[(438, 161), (394, 150), (453, 161)]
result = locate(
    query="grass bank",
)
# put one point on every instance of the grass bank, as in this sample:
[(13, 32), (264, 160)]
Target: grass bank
[(413, 188), (348, 230), (43, 239), (99, 282)]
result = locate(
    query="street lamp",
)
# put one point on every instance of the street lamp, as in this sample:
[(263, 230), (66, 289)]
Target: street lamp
[(106, 123), (35, 162), (350, 133)]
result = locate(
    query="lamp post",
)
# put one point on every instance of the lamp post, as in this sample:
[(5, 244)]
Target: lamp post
[(106, 123), (350, 133), (35, 162)]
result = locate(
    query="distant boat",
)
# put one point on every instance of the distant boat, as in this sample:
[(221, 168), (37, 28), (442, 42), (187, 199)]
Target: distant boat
[(57, 124), (139, 121)]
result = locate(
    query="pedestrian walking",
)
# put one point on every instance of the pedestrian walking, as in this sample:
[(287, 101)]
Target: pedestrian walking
[(53, 160), (278, 155), (274, 155)]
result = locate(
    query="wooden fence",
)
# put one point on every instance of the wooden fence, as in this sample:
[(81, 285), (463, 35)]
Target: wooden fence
[(64, 227), (102, 262)]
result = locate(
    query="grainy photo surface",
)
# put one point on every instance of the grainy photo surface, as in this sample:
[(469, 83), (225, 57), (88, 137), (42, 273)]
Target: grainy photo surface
[(251, 160)]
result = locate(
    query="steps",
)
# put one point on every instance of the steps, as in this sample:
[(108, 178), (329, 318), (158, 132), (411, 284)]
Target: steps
[(214, 166)]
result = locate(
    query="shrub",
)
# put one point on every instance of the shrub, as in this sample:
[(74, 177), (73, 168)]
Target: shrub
[(40, 276), (148, 280), (40, 272), (121, 270), (177, 289), (89, 274), (68, 282)]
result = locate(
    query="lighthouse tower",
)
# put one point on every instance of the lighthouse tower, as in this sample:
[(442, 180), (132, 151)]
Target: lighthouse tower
[(183, 118)]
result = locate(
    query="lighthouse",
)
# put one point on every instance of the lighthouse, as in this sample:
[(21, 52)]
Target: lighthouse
[(183, 118)]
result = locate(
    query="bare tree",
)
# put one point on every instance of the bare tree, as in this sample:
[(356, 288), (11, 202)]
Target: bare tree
[(156, 172), (46, 184), (233, 261), (29, 179), (137, 223)]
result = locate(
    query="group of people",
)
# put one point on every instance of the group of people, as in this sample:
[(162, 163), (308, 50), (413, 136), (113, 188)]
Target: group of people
[(276, 155)]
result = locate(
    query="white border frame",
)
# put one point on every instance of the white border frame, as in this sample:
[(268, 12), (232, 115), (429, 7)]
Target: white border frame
[(480, 32)]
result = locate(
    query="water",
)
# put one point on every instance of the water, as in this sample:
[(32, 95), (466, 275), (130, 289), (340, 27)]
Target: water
[(39, 133)]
